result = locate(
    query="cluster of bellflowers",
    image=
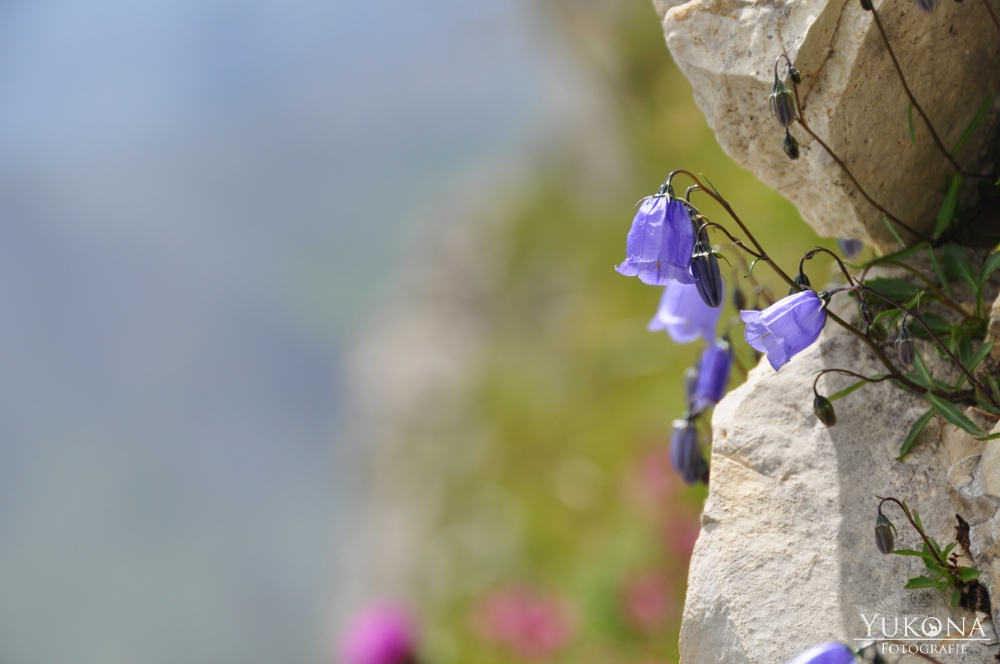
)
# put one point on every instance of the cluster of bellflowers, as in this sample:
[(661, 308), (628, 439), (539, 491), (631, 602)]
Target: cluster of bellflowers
[(667, 246)]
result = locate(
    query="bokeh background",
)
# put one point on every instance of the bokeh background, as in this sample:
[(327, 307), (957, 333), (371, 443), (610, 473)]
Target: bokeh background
[(307, 304)]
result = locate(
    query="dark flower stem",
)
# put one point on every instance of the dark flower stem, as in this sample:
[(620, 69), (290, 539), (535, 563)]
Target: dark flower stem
[(993, 15), (913, 100), (913, 523), (845, 372), (843, 268), (958, 363)]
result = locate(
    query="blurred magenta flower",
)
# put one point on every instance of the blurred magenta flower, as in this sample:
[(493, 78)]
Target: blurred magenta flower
[(531, 625), (825, 653), (660, 243), (787, 327), (684, 315), (382, 634), (713, 375), (647, 601), (681, 530)]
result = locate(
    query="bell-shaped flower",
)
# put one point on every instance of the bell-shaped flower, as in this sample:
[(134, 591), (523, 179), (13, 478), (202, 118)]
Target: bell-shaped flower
[(660, 243), (825, 653), (383, 634), (684, 315), (685, 453), (787, 327), (713, 375)]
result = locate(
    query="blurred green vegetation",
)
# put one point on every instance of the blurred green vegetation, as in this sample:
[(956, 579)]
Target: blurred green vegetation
[(576, 395)]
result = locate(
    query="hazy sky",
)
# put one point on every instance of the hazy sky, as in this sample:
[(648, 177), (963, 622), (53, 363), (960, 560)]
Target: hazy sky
[(197, 201)]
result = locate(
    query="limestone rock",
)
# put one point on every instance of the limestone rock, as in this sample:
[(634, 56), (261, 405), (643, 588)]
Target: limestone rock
[(851, 96), (786, 557)]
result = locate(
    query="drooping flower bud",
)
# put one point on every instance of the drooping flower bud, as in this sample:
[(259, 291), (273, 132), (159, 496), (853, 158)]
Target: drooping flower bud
[(926, 6), (823, 408), (739, 299), (713, 375), (800, 280), (878, 333), (793, 74), (883, 534), (867, 317), (849, 247), (867, 5), (705, 270), (782, 103), (791, 146), (685, 452), (904, 346)]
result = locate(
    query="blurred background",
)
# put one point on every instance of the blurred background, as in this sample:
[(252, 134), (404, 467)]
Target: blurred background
[(308, 304)]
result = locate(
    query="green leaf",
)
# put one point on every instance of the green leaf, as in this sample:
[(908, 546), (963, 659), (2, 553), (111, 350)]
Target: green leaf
[(957, 265), (916, 519), (920, 582), (992, 263), (968, 573), (981, 354), (915, 430), (994, 388), (947, 550), (945, 286), (924, 374), (893, 231), (948, 205), (711, 185), (899, 290), (909, 119), (938, 325), (851, 388), (943, 584), (971, 129), (898, 255), (956, 597), (951, 413), (992, 436), (965, 351), (936, 570)]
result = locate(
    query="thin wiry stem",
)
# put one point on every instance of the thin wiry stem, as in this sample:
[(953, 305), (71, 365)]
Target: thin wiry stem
[(916, 105), (993, 15)]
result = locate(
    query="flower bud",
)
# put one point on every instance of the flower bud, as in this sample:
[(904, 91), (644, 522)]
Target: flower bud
[(904, 347), (823, 408), (685, 452), (878, 333), (791, 146), (800, 280), (850, 247), (883, 534), (867, 5), (739, 299), (926, 6), (867, 317), (708, 278), (783, 103), (793, 74)]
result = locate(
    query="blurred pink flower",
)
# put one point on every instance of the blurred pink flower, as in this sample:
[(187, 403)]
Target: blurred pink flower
[(653, 481), (532, 625), (382, 634), (680, 530), (647, 601)]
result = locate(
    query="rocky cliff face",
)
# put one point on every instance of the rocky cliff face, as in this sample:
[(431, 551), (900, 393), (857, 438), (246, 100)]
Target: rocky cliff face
[(787, 555)]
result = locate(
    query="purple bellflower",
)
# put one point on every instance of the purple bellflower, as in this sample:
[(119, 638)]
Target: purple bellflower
[(660, 243), (713, 375), (850, 248), (787, 327), (685, 453), (826, 653), (684, 315), (382, 634)]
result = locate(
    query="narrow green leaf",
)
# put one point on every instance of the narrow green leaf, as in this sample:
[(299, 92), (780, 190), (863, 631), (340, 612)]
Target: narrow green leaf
[(947, 550), (938, 325), (911, 552), (956, 597), (711, 185), (915, 430), (899, 290), (909, 119), (920, 582), (981, 354), (971, 129), (933, 541), (856, 386), (965, 352), (925, 374), (992, 436), (951, 413), (943, 584), (898, 255), (893, 231), (992, 263), (948, 205), (985, 405), (968, 573), (994, 388), (945, 286), (957, 265)]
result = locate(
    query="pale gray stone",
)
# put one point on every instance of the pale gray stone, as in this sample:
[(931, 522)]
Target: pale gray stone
[(851, 96)]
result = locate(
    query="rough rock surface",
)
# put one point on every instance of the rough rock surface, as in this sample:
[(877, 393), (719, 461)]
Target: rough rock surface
[(787, 557), (851, 95)]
